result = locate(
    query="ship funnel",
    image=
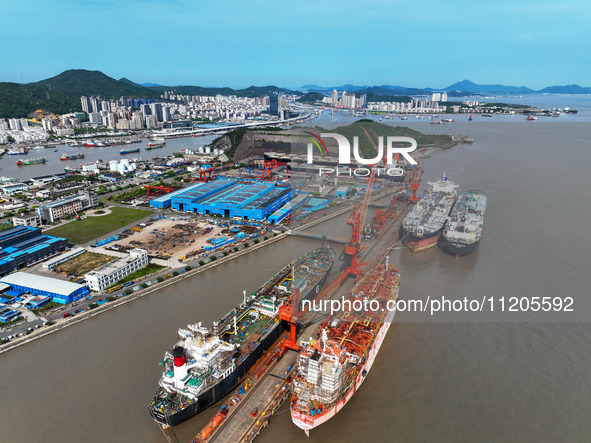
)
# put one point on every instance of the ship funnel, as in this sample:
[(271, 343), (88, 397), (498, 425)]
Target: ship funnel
[(180, 368), (178, 353)]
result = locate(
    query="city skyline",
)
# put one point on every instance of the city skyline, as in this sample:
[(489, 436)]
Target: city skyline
[(260, 43)]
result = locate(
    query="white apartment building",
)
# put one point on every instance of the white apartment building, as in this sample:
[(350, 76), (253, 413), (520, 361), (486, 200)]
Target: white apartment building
[(111, 273)]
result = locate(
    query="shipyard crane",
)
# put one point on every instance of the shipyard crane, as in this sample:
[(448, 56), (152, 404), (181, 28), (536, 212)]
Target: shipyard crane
[(268, 167), (416, 178), (207, 174), (357, 220)]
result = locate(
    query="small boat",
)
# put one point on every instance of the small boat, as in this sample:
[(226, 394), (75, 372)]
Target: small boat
[(470, 118), (531, 118)]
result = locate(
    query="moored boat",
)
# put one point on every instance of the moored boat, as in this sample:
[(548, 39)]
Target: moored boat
[(424, 223), (331, 368), (207, 363), (463, 228)]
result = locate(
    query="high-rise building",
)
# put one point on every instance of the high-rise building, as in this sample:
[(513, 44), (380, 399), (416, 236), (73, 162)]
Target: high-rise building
[(335, 97), (274, 104), (95, 103), (85, 104), (151, 121), (362, 101), (137, 121), (156, 109), (166, 115), (343, 98), (145, 108)]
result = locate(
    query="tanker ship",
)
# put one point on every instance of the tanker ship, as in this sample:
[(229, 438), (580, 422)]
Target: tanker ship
[(331, 368), (207, 363), (424, 223), (32, 161), (463, 229)]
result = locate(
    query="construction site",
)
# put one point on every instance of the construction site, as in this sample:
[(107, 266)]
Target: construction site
[(181, 238)]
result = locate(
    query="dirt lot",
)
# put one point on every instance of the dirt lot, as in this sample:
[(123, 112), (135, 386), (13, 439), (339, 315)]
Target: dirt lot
[(84, 263), (172, 239)]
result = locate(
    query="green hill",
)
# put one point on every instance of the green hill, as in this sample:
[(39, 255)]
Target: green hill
[(61, 94), (311, 98), (251, 91), (376, 129), (78, 82), (17, 100)]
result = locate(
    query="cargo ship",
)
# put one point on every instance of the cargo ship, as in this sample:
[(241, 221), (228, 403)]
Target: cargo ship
[(332, 367), (424, 223), (32, 161), (65, 157), (463, 229), (129, 151), (157, 145), (18, 151), (207, 363)]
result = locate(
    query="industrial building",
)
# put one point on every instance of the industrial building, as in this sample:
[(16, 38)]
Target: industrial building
[(110, 273), (22, 246), (13, 188), (7, 314), (59, 291), (53, 262), (164, 201), (249, 201), (67, 207), (343, 191), (30, 219), (280, 215)]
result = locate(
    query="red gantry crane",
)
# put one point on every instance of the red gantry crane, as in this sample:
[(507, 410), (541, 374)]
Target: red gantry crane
[(416, 178)]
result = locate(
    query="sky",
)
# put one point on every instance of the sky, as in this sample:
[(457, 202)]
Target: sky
[(413, 43)]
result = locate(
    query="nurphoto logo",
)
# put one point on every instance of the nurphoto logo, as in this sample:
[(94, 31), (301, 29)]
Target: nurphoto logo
[(391, 150)]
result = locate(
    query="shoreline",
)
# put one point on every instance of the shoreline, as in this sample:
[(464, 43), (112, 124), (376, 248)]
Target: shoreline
[(47, 330)]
